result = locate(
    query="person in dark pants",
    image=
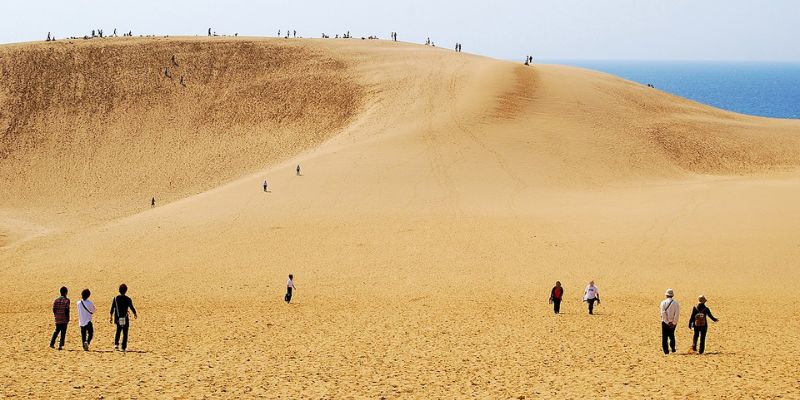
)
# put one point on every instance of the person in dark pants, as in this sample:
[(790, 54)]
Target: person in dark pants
[(556, 294), (699, 322), (298, 169), (85, 311), (670, 312), (61, 314), (119, 316), (289, 287), (591, 295)]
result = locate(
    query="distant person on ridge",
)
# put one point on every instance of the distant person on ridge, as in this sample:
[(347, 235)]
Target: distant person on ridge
[(289, 287), (209, 31), (120, 316), (590, 295), (298, 169), (152, 202), (699, 322), (670, 311), (61, 315), (556, 294), (85, 311)]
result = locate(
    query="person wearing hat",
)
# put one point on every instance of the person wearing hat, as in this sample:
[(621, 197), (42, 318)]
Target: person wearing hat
[(699, 322), (670, 311)]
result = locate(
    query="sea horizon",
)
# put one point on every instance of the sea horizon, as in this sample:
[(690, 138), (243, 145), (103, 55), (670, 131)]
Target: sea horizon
[(754, 87)]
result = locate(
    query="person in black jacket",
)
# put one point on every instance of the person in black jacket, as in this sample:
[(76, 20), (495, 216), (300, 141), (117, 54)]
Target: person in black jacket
[(699, 322), (120, 317)]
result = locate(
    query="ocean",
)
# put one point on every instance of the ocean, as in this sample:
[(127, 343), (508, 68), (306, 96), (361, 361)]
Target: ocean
[(755, 88)]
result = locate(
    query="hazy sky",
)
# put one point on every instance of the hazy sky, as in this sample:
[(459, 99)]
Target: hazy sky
[(765, 30)]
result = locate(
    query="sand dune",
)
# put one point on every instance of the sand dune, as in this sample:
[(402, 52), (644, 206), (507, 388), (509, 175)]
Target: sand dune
[(442, 195)]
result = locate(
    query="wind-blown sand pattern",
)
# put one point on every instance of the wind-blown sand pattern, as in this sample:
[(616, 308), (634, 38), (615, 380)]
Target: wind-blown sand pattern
[(442, 196)]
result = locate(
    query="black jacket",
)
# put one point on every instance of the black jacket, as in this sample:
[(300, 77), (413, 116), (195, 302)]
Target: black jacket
[(700, 308), (124, 303)]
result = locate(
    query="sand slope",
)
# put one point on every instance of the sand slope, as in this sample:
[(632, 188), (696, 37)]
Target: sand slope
[(442, 196)]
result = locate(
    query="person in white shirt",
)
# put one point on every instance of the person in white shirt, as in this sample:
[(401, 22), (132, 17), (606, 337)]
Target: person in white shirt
[(85, 311), (670, 311), (590, 295), (289, 287)]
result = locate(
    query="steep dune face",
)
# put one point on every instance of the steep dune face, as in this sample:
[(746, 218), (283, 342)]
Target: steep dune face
[(92, 129), (97, 126)]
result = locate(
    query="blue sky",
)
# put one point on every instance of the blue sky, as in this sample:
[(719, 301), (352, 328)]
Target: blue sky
[(565, 29)]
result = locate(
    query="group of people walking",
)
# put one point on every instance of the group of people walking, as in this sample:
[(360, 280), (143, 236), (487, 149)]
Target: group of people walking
[(121, 307), (670, 312), (591, 296)]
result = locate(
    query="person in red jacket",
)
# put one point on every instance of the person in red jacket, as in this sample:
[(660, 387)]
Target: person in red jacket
[(555, 297)]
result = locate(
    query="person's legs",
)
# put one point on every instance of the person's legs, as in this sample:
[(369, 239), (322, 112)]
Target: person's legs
[(125, 336), (84, 331), (703, 332), (116, 336), (63, 328), (55, 335), (288, 294), (90, 332), (557, 305), (591, 306), (664, 335), (694, 338), (671, 337)]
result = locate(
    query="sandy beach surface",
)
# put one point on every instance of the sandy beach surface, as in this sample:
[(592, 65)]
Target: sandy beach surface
[(442, 194)]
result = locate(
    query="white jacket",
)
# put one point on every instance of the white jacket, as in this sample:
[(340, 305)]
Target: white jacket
[(670, 311)]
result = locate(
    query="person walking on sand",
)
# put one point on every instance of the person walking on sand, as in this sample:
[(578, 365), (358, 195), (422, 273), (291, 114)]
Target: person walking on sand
[(120, 316), (699, 322), (265, 186), (289, 287), (61, 315), (590, 295), (298, 170), (85, 311), (556, 294), (152, 202), (670, 311)]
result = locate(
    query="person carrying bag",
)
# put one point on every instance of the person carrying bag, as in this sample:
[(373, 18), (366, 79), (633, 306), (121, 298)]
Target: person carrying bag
[(119, 316)]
